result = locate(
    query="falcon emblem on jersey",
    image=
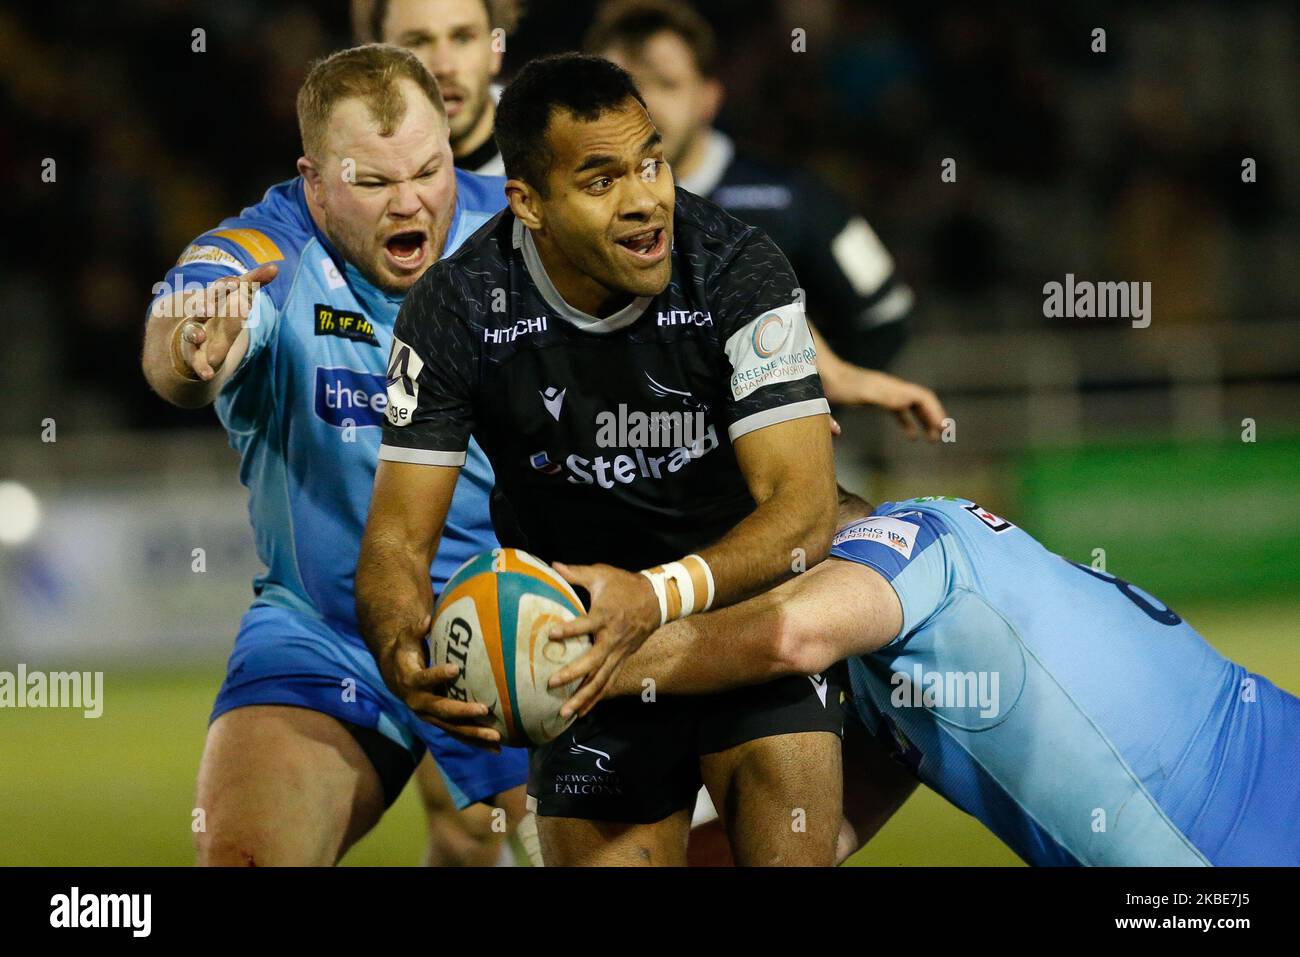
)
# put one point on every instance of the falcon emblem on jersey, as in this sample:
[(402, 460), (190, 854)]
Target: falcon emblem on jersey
[(661, 390)]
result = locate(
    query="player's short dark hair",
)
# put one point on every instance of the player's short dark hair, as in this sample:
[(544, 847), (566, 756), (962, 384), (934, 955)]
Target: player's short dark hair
[(630, 23), (503, 14), (583, 86)]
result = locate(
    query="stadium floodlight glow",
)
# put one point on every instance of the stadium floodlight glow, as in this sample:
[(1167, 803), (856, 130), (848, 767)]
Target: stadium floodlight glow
[(20, 513)]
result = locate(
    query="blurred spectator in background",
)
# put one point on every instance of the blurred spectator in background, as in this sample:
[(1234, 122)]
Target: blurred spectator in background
[(461, 42)]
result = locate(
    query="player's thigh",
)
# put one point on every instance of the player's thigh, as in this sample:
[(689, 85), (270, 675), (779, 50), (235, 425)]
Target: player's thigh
[(875, 786), (575, 842), (770, 756), (283, 786), (779, 798)]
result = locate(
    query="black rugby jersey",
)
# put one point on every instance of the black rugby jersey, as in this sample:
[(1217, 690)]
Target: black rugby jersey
[(610, 438)]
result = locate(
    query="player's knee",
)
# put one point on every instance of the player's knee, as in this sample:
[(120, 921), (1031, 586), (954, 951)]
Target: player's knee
[(231, 850)]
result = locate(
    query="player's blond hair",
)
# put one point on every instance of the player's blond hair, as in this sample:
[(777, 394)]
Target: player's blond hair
[(371, 73)]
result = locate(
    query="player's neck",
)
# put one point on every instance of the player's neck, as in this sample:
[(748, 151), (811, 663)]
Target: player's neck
[(574, 286), (479, 134)]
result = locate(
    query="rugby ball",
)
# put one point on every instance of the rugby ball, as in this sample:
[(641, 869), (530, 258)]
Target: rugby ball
[(493, 621)]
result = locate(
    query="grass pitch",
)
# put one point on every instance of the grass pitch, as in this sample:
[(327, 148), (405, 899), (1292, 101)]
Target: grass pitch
[(119, 790)]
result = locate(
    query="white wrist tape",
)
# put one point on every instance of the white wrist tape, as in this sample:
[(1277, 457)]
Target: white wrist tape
[(682, 588), (659, 582)]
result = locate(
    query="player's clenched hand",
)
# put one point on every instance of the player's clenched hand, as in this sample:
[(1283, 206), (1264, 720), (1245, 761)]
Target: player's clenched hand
[(215, 315), (624, 612), (409, 676), (913, 405)]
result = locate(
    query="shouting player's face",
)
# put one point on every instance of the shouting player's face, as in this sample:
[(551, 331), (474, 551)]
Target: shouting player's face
[(386, 202), (605, 225), (682, 100), (453, 39)]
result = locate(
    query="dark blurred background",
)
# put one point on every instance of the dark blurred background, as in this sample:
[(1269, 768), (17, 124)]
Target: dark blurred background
[(1125, 164), (1169, 455)]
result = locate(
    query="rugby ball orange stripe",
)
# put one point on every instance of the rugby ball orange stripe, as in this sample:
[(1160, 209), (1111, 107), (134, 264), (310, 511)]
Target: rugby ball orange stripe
[(483, 590)]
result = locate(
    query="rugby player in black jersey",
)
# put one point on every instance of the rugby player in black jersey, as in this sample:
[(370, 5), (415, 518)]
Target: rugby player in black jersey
[(856, 298), (604, 296)]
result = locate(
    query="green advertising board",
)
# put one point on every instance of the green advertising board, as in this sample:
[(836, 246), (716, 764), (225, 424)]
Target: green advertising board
[(1184, 521)]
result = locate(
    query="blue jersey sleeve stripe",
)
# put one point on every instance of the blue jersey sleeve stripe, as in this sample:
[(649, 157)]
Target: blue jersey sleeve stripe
[(885, 545)]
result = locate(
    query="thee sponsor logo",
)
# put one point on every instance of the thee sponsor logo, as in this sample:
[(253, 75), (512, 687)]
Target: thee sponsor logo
[(346, 397)]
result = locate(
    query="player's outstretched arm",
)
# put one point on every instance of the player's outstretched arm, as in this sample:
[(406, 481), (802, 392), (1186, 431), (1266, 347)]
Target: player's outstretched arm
[(394, 597), (917, 409), (790, 473), (833, 611), (195, 340)]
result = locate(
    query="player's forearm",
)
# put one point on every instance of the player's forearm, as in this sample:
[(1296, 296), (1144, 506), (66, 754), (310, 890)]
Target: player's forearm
[(731, 648), (393, 591), (789, 532)]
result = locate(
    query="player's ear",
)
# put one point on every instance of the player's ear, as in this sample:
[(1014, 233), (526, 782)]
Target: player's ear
[(309, 173), (524, 203), (713, 94)]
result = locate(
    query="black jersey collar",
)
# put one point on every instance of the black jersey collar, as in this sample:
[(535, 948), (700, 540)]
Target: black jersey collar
[(718, 154), (485, 160), (523, 240)]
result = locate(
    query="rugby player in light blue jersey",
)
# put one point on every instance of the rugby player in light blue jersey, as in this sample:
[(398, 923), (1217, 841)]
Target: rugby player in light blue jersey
[(1079, 718), (283, 318)]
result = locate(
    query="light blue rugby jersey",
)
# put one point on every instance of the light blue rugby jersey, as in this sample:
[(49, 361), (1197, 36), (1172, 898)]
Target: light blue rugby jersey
[(1114, 733), (304, 409)]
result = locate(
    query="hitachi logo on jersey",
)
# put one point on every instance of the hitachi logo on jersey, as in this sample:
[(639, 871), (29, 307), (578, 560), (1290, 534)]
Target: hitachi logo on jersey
[(649, 430), (510, 333), (685, 317), (625, 468)]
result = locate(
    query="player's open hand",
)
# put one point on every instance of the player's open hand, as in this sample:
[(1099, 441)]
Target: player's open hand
[(917, 408), (624, 613), (408, 675), (214, 317)]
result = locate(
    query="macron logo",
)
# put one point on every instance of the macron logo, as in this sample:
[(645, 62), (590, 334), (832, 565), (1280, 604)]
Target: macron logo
[(553, 399), (819, 685)]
